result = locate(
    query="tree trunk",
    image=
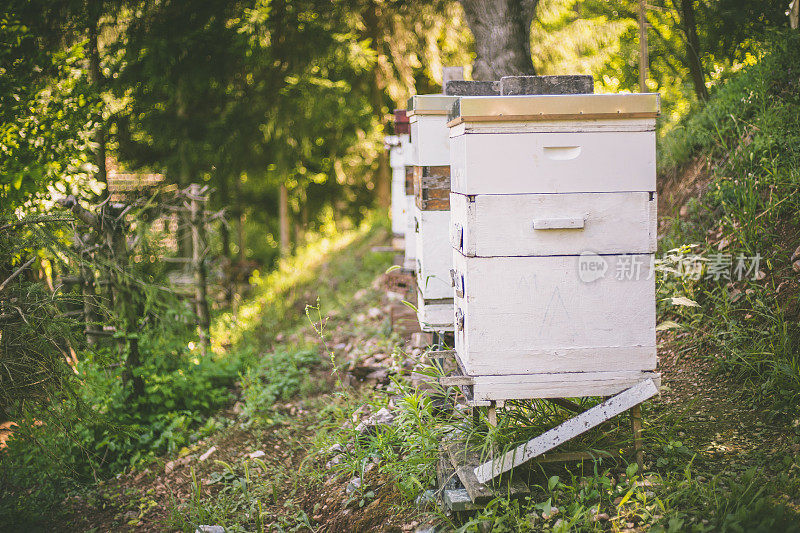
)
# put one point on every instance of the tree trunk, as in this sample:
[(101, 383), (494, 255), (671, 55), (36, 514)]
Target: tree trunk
[(197, 206), (693, 49), (502, 33), (96, 79), (225, 237), (124, 292), (283, 219), (383, 179)]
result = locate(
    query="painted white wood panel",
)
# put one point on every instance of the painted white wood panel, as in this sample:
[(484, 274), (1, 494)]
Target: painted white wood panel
[(535, 314), (406, 146), (410, 234), (527, 224), (555, 126), (567, 430), (434, 254), (398, 208), (518, 163), (434, 315), (431, 140), (559, 385)]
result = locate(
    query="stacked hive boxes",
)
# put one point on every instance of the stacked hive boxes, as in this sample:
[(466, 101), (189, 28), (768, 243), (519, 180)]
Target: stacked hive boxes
[(398, 147), (430, 160), (553, 230)]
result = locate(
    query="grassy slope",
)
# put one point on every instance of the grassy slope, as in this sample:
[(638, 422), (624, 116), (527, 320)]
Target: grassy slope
[(723, 441), (289, 407)]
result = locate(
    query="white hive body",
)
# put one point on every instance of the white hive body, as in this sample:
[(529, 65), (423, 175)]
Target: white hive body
[(430, 159), (553, 234), (408, 188), (399, 206)]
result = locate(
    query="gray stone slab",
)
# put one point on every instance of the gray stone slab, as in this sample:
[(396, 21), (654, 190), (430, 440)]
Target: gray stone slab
[(471, 88), (531, 85)]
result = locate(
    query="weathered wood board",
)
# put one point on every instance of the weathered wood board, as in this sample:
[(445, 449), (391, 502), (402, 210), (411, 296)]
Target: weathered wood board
[(553, 224), (526, 315), (432, 187), (557, 385), (435, 315), (567, 430), (553, 162)]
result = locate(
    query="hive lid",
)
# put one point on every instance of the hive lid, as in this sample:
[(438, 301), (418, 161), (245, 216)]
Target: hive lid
[(430, 104), (554, 107)]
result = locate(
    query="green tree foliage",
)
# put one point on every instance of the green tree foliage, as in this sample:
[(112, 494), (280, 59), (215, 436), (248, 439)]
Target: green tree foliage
[(600, 37), (45, 111)]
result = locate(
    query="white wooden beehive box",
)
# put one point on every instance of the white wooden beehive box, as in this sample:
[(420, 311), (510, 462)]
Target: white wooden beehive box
[(410, 261), (550, 195), (430, 158), (399, 201)]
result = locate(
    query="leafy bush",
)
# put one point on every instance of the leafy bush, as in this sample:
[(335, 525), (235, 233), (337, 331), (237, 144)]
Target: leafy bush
[(277, 376)]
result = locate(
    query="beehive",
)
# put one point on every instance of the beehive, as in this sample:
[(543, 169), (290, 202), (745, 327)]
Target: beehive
[(553, 197), (399, 208), (430, 173)]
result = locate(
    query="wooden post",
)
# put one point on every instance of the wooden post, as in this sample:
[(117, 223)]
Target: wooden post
[(197, 217), (491, 414), (86, 277), (636, 424), (643, 57)]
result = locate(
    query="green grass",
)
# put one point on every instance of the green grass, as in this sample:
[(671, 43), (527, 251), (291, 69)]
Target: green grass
[(750, 134)]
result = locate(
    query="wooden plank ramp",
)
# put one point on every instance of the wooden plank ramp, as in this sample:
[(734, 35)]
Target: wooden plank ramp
[(567, 430), (468, 493)]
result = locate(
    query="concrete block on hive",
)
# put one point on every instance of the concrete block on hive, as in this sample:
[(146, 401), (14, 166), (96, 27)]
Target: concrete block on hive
[(569, 84)]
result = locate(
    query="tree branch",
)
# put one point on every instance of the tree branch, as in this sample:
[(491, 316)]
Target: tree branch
[(17, 272)]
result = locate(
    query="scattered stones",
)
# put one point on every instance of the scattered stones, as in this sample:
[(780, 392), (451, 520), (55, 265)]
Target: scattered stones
[(256, 454), (426, 498), (361, 371), (207, 454), (335, 461), (374, 312), (796, 255), (353, 485), (384, 417), (209, 529), (379, 376), (172, 465), (336, 448)]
